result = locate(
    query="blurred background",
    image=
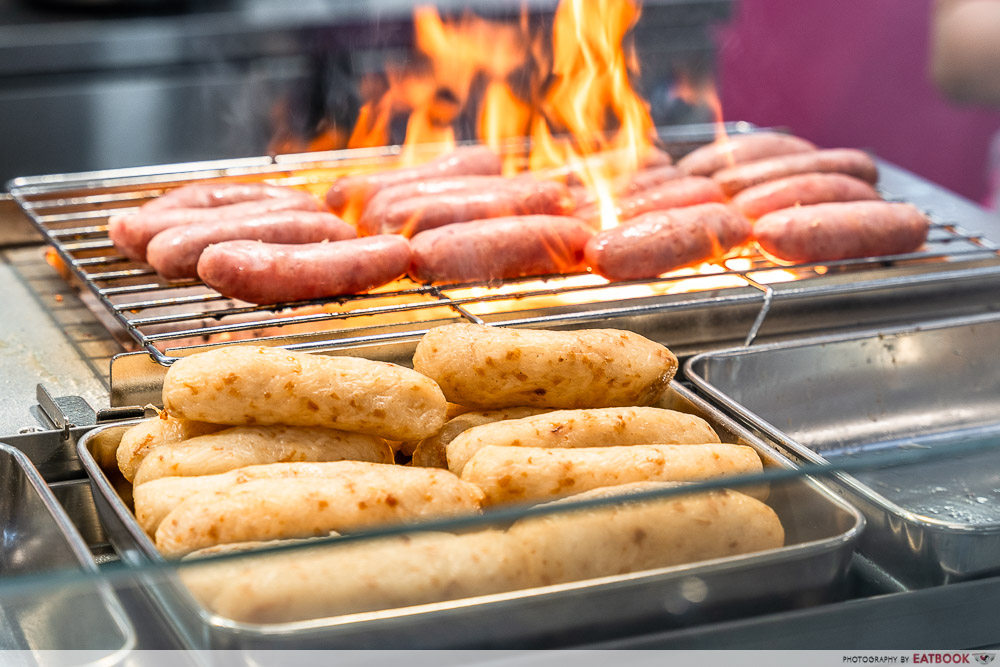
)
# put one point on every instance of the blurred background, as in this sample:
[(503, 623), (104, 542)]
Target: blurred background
[(96, 84)]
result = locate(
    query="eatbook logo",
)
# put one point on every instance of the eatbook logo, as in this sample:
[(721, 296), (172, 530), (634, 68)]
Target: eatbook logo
[(984, 658)]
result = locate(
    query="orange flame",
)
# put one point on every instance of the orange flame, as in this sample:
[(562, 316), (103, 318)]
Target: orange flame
[(705, 93)]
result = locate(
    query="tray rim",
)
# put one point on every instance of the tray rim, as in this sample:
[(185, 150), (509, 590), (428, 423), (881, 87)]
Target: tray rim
[(81, 554), (844, 540), (783, 440)]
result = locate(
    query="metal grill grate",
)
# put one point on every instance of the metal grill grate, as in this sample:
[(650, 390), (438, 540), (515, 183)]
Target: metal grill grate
[(171, 319)]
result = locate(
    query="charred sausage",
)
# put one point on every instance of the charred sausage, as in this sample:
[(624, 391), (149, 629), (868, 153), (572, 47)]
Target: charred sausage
[(485, 250), (505, 197), (174, 252), (274, 273), (209, 195), (842, 230), (801, 190), (738, 149), (355, 191), (132, 233), (662, 241), (836, 160)]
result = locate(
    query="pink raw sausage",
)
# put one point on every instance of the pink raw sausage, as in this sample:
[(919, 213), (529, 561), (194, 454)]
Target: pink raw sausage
[(132, 233), (740, 148), (801, 190), (486, 250), (505, 197), (174, 252), (266, 273), (357, 190), (662, 241), (837, 160), (207, 195), (686, 191), (842, 230)]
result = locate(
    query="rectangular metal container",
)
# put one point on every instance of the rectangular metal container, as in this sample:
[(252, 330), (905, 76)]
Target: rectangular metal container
[(39, 541), (821, 531), (889, 396)]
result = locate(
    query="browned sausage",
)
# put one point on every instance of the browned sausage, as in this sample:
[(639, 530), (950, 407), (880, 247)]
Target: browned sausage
[(505, 197), (801, 190), (374, 211), (842, 230), (357, 190), (274, 273), (741, 148), (686, 191), (662, 241), (132, 233), (838, 160), (485, 250), (207, 195), (174, 252)]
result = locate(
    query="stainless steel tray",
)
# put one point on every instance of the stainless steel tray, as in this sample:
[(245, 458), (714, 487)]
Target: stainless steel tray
[(887, 395), (821, 533), (40, 542)]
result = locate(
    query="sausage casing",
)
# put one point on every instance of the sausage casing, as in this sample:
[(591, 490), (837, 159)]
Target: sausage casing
[(532, 474), (174, 252), (499, 367), (157, 498), (210, 195), (595, 427), (801, 190), (832, 160), (708, 159), (246, 385), (267, 509), (276, 273), (486, 250), (430, 452), (830, 232), (254, 445), (661, 241), (163, 429)]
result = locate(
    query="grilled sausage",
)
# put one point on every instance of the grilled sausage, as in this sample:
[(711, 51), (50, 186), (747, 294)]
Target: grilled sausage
[(596, 427), (561, 547), (355, 191), (708, 159), (374, 212), (158, 497), (207, 195), (132, 233), (499, 367), (830, 232), (648, 178), (174, 252), (267, 509), (430, 452), (245, 385), (506, 197), (801, 190), (532, 474), (275, 273), (242, 446), (661, 241), (485, 250), (139, 440), (838, 160)]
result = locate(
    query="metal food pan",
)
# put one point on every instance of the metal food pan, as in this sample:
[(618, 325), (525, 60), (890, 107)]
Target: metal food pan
[(889, 396), (39, 541), (821, 531)]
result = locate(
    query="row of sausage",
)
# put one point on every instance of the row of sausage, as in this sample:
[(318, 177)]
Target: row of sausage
[(456, 219)]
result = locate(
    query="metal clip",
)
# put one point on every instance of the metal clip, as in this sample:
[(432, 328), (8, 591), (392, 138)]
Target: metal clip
[(65, 412)]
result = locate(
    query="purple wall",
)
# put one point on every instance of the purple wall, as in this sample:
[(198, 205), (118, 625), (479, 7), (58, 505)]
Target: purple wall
[(853, 73)]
